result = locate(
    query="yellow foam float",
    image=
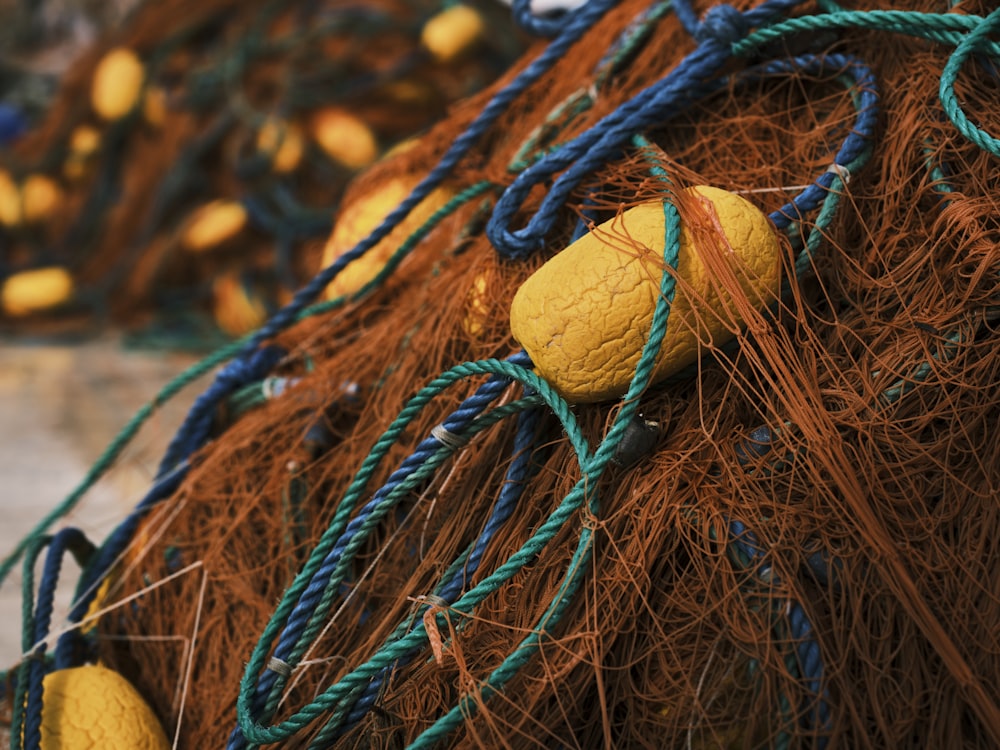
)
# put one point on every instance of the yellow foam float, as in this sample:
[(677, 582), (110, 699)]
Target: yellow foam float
[(33, 201), (92, 706), (452, 32), (584, 316), (117, 84), (358, 218), (344, 137), (213, 224), (35, 291), (237, 311), (284, 142)]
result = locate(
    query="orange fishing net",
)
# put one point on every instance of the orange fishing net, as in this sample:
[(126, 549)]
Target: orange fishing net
[(822, 491)]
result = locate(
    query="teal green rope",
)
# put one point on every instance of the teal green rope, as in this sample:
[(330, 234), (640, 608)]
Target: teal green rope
[(33, 549), (976, 41), (947, 28)]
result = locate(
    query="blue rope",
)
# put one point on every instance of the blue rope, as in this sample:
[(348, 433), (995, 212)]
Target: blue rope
[(68, 539), (194, 431), (605, 141)]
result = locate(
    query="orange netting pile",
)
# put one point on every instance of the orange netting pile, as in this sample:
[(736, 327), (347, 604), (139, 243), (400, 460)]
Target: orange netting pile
[(805, 557)]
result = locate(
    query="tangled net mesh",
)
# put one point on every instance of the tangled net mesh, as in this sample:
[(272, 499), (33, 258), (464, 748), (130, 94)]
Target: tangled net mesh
[(837, 464)]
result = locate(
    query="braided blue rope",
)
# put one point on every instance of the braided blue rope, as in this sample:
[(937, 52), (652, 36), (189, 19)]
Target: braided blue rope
[(68, 539), (194, 431), (606, 139)]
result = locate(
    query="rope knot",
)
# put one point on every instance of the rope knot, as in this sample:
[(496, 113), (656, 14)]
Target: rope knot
[(724, 24)]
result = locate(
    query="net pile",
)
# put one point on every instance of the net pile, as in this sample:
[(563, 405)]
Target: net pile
[(790, 544), (191, 162)]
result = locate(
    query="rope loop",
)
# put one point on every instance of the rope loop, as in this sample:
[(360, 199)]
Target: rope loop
[(976, 40)]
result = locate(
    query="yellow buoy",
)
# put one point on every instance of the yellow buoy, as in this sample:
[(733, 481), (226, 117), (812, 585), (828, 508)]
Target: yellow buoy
[(213, 224), (344, 137), (452, 32), (236, 310), (41, 196), (34, 200), (358, 218), (117, 83), (92, 706), (34, 291), (584, 316), (284, 142), (84, 141)]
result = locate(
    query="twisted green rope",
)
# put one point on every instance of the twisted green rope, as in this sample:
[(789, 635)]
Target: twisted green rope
[(967, 33)]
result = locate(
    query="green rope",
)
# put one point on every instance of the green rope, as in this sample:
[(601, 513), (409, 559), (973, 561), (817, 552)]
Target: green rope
[(947, 28), (976, 41)]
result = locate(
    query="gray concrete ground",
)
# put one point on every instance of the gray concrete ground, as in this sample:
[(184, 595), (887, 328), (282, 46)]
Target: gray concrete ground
[(60, 406)]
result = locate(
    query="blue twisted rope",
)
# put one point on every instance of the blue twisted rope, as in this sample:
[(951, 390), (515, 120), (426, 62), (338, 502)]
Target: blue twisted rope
[(193, 433), (74, 541), (606, 139)]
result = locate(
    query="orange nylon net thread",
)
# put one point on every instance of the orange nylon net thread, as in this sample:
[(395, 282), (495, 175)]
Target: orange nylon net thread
[(670, 642)]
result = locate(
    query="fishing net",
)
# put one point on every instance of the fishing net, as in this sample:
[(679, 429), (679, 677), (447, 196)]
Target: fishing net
[(381, 528), (189, 166)]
